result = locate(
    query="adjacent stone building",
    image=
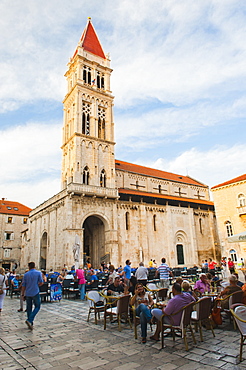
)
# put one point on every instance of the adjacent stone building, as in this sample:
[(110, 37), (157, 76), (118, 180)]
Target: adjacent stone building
[(119, 210), (13, 222), (230, 205)]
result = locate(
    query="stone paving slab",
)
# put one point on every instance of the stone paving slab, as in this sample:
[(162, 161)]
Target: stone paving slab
[(63, 339)]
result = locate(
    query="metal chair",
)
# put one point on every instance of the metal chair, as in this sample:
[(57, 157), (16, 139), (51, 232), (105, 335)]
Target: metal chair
[(203, 312), (161, 294), (239, 316), (182, 327), (120, 311)]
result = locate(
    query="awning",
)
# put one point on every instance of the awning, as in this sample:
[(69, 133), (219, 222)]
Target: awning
[(241, 237)]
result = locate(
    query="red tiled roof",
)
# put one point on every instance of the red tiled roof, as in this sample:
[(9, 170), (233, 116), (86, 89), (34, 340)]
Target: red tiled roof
[(90, 41), (13, 208), (141, 170), (162, 196), (237, 179)]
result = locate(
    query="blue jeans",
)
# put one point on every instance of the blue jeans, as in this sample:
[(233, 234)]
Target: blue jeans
[(145, 316), (29, 302), (82, 291)]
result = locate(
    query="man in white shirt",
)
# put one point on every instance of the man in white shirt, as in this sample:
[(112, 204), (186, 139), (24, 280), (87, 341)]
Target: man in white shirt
[(142, 274)]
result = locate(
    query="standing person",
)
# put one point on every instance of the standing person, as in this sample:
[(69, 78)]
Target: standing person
[(31, 282), (127, 272), (211, 265), (142, 274), (2, 287), (231, 266), (165, 272), (80, 274), (150, 263)]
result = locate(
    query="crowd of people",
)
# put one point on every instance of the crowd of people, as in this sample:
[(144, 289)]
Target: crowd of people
[(125, 280)]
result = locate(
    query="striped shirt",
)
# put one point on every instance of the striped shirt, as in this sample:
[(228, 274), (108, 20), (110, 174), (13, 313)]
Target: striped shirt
[(164, 271)]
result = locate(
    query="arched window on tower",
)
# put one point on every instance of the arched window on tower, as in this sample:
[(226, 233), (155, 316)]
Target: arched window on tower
[(127, 221), (98, 80), (87, 75), (86, 119), (229, 230), (103, 179), (102, 82), (101, 123), (86, 175), (159, 189)]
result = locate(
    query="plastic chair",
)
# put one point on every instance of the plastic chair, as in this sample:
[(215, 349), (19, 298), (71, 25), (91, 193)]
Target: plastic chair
[(203, 312), (182, 327), (239, 316), (120, 311), (96, 303)]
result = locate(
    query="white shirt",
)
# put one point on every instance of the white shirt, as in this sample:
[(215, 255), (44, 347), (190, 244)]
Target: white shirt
[(142, 273)]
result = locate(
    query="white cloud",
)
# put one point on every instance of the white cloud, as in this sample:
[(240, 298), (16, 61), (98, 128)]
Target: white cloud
[(30, 162), (213, 167)]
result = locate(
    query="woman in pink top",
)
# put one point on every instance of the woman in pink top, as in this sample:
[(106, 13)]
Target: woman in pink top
[(81, 277)]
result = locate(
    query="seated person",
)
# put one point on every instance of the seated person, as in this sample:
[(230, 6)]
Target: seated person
[(112, 274), (239, 283), (232, 288), (69, 276), (202, 286), (92, 278), (116, 287), (132, 285), (15, 282), (178, 301), (186, 288), (142, 302)]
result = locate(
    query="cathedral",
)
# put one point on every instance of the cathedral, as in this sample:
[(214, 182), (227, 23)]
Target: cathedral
[(117, 210)]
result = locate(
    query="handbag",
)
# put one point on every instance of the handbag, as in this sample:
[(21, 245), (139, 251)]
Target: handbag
[(1, 287), (216, 315)]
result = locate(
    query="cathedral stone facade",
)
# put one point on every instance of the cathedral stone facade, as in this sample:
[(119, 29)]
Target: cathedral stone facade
[(118, 210)]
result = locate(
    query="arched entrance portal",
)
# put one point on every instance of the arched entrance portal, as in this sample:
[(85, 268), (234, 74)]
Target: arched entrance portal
[(43, 251), (94, 240)]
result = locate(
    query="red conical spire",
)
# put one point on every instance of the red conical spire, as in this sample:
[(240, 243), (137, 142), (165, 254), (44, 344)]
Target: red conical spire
[(90, 41)]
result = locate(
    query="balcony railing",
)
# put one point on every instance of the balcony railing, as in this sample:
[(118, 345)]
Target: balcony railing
[(241, 210), (92, 190)]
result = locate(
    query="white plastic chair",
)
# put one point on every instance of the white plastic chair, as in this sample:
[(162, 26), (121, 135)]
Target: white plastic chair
[(240, 317), (93, 297)]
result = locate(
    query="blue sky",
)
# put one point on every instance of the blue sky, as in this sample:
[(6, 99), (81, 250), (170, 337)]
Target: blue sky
[(179, 84)]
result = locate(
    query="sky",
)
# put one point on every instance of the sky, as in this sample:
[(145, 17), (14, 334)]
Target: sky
[(179, 84)]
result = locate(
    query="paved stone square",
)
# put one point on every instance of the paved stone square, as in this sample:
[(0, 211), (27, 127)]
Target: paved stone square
[(62, 339)]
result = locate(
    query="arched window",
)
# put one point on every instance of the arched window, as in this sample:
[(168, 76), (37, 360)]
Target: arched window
[(159, 189), (103, 179), (233, 255), (127, 221), (86, 119), (102, 82), (98, 81), (229, 228), (86, 176), (180, 254), (87, 75), (101, 123), (154, 222), (241, 200), (200, 225)]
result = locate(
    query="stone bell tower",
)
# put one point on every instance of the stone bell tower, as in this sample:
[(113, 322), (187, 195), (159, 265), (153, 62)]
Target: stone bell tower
[(88, 164)]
